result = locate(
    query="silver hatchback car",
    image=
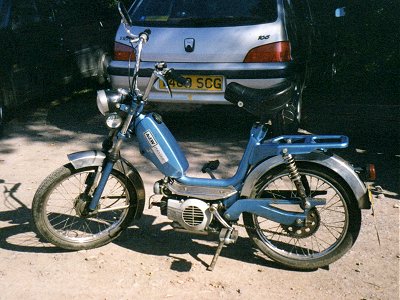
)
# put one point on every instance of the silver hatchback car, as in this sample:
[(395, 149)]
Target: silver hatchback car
[(257, 43)]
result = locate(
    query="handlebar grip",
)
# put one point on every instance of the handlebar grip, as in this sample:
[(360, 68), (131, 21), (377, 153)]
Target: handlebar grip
[(172, 74), (145, 35)]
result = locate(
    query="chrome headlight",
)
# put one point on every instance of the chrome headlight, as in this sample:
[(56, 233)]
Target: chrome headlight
[(114, 121), (109, 101)]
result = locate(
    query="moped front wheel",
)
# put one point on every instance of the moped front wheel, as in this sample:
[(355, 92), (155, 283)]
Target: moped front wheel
[(330, 230), (58, 208)]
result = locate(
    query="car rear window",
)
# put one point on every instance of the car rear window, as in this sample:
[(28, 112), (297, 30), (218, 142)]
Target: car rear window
[(206, 13)]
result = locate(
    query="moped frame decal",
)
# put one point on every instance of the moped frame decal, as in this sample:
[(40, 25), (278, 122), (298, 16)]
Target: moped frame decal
[(155, 147)]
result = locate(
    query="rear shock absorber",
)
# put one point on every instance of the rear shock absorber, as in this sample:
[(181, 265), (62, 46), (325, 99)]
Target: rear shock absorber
[(295, 177)]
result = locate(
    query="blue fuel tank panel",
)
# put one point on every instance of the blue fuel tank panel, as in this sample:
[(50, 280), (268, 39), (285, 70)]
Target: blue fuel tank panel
[(158, 144)]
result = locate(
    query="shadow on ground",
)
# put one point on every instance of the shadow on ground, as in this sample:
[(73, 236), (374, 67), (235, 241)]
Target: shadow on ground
[(144, 237)]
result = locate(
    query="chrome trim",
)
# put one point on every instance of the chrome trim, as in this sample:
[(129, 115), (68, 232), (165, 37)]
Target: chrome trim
[(202, 192), (84, 159), (102, 102), (215, 213), (332, 162)]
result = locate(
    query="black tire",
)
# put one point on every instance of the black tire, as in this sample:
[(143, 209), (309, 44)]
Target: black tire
[(58, 203), (332, 230), (103, 60)]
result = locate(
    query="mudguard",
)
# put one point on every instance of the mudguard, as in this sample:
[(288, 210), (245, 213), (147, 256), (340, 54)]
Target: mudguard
[(96, 158), (332, 162)]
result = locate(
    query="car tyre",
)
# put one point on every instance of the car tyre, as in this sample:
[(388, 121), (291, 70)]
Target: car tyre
[(103, 59)]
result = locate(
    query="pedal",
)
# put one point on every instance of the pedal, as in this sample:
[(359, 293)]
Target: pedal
[(209, 167), (161, 203), (230, 238), (153, 201)]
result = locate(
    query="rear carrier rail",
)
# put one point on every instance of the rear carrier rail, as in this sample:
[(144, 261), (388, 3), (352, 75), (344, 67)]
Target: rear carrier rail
[(299, 144), (306, 143)]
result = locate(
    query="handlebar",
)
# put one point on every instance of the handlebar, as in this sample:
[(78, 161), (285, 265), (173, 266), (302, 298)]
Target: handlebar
[(172, 74), (161, 72), (145, 35), (141, 39)]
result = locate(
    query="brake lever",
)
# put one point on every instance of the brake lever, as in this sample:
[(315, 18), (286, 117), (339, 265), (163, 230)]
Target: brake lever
[(161, 77)]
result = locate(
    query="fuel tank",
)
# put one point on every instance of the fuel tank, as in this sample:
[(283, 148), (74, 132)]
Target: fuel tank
[(157, 144)]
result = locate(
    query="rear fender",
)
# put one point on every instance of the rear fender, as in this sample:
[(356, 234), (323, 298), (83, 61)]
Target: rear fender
[(332, 162), (96, 158)]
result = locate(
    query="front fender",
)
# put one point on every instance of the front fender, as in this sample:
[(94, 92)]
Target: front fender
[(332, 162), (96, 158)]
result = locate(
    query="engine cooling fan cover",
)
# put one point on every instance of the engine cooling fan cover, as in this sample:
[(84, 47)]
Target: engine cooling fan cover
[(192, 214)]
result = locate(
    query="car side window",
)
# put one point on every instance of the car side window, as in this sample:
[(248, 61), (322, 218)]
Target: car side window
[(24, 13)]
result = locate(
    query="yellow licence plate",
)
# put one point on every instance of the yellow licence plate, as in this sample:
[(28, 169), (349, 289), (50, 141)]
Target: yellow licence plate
[(202, 83), (370, 196)]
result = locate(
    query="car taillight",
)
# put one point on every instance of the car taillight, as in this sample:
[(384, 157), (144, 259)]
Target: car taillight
[(123, 52), (275, 52)]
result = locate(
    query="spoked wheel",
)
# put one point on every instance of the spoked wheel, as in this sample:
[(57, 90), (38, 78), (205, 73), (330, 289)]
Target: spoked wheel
[(59, 208), (329, 232)]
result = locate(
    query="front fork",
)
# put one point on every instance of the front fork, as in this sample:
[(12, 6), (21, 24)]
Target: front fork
[(105, 174), (113, 155)]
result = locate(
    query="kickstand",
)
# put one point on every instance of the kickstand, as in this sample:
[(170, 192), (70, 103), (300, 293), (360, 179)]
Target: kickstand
[(216, 255), (225, 237)]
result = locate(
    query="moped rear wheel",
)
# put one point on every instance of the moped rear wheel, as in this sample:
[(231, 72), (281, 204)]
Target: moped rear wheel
[(59, 203), (331, 229)]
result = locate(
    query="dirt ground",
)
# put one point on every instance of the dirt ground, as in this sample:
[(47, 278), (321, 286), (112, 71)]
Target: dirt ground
[(150, 260)]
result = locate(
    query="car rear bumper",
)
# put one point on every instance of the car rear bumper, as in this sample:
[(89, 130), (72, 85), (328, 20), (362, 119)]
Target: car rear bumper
[(260, 76)]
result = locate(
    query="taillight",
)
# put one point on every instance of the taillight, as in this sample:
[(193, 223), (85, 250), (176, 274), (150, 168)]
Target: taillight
[(275, 52), (123, 52)]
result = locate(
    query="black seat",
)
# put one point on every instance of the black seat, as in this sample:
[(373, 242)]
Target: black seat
[(263, 103)]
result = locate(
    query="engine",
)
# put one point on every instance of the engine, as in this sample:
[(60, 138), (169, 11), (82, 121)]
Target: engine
[(191, 214)]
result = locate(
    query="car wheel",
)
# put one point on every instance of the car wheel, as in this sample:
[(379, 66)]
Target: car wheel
[(103, 59)]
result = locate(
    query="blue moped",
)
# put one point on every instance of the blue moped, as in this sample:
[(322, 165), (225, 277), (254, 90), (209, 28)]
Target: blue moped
[(300, 205)]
